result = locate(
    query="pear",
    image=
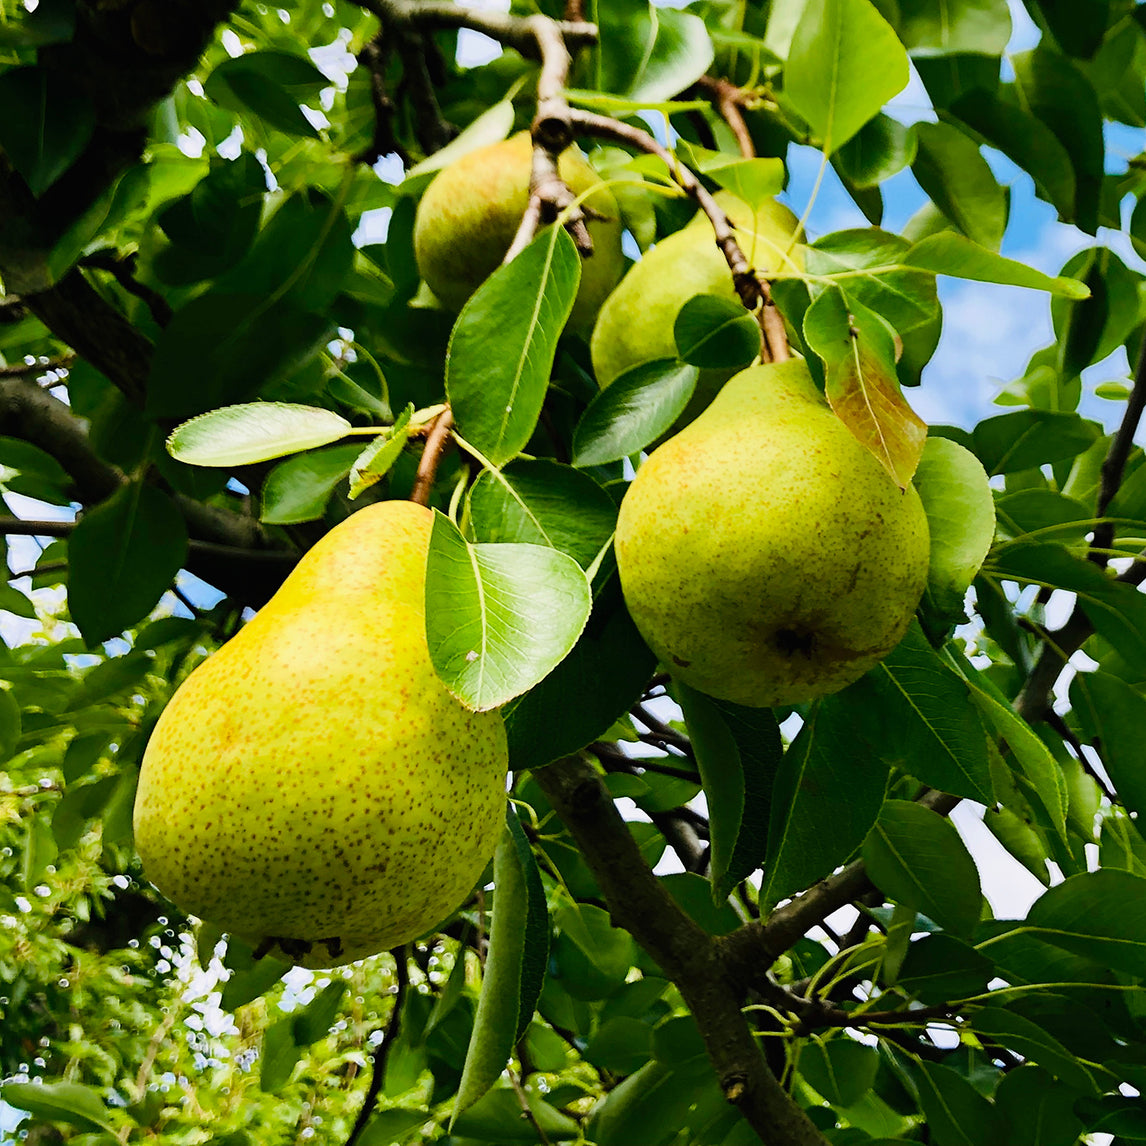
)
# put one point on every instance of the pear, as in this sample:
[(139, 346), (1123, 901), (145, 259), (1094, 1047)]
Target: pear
[(764, 554), (312, 787), (636, 323), (470, 213)]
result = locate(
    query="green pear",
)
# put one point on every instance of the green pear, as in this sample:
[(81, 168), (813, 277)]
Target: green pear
[(765, 555), (636, 323), (312, 787), (470, 213)]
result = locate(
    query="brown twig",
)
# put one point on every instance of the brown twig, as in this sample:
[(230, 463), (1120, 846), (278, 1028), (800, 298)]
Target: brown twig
[(122, 269), (373, 58), (382, 1050), (526, 1109), (729, 101), (1114, 464), (437, 442), (35, 369), (640, 903)]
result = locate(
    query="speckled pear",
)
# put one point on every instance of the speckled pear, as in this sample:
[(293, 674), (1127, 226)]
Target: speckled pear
[(469, 215), (765, 555), (312, 787)]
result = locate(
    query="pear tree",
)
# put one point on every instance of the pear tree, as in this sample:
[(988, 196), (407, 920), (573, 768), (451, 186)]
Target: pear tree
[(525, 621)]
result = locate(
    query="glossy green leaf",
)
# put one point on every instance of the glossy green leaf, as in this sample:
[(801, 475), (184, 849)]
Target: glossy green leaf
[(827, 795), (68, 1102), (1009, 443), (314, 1021), (514, 969), (839, 1069), (541, 502), (634, 410), (648, 53), (280, 1055), (939, 968), (916, 857), (1034, 1044), (957, 1114), (716, 333), (738, 751), (47, 123), (270, 84), (953, 172), (599, 681), (498, 1118), (982, 26), (503, 345), (1037, 1108), (844, 64), (254, 432), (948, 253), (122, 557), (373, 463), (880, 149), (502, 617), (1113, 714)]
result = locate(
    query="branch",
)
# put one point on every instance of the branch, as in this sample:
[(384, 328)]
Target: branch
[(382, 1050), (729, 100), (35, 369), (373, 57), (122, 269), (437, 442), (639, 903)]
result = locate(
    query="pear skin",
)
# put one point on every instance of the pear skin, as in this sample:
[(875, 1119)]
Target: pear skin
[(470, 213), (312, 787), (636, 323), (764, 554)]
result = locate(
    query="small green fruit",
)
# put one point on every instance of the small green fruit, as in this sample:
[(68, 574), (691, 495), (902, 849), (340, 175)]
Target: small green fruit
[(470, 213), (765, 555), (636, 323), (312, 787)]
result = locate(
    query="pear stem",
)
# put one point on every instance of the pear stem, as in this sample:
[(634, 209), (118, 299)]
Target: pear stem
[(437, 442)]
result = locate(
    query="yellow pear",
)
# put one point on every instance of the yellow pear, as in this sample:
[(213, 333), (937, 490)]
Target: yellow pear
[(312, 787), (636, 323), (765, 555), (469, 214)]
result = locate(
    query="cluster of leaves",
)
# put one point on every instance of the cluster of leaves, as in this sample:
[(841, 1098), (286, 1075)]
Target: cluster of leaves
[(230, 261)]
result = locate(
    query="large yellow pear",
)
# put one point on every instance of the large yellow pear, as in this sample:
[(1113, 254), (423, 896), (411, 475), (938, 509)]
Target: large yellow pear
[(312, 787), (470, 213), (636, 323), (765, 555)]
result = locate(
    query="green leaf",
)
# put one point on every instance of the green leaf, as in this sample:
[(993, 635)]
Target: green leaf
[(498, 1118), (314, 1021), (951, 169), (1114, 1114), (905, 297), (1010, 443), (1091, 329), (280, 1055), (649, 1107), (393, 1125), (69, 1102), (40, 853), (915, 856), (502, 347), (269, 84), (716, 333), (948, 253), (1113, 714), (926, 727), (827, 795), (1034, 1044), (223, 348), (961, 517), (9, 723), (634, 410), (374, 462), (939, 968), (254, 432), (957, 1114), (1036, 1108), (738, 751), (514, 970), (51, 22), (299, 488), (501, 617), (47, 123), (881, 148), (249, 978), (596, 684), (844, 64), (980, 26), (841, 1070), (861, 384), (648, 53), (122, 557), (541, 502)]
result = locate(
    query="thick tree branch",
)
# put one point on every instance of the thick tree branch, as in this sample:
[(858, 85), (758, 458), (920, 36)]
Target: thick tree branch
[(639, 903)]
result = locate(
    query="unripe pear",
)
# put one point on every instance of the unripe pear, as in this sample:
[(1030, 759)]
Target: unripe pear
[(470, 213), (312, 787), (636, 323), (765, 555)]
